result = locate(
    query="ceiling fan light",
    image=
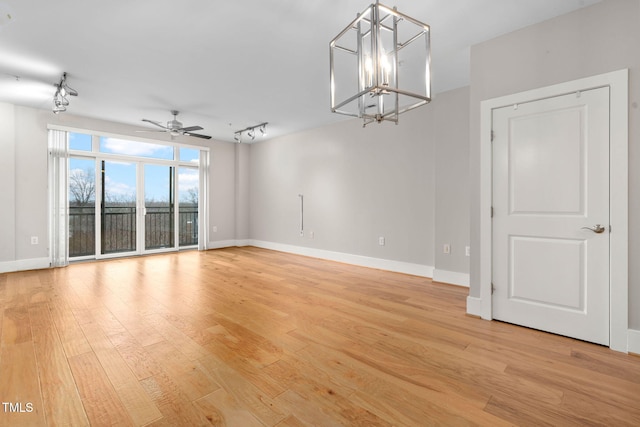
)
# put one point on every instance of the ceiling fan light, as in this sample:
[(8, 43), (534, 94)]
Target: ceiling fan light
[(71, 91), (59, 109), (60, 100)]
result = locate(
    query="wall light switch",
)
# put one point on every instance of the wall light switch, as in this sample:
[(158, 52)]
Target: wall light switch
[(381, 241), (34, 240), (467, 251)]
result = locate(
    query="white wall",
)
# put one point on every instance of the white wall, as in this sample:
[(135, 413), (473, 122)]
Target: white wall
[(362, 184), (23, 173), (594, 40)]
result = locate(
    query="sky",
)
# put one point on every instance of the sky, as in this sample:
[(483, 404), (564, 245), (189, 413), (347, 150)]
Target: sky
[(120, 176)]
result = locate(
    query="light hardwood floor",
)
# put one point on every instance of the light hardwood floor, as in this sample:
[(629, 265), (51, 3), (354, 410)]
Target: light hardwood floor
[(250, 337)]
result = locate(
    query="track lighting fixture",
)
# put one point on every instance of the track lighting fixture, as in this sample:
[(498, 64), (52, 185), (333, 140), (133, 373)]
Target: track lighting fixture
[(60, 100), (250, 132)]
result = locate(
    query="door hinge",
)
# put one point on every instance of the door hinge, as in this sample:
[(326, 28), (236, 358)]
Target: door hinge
[(493, 135), (491, 211), (493, 288)]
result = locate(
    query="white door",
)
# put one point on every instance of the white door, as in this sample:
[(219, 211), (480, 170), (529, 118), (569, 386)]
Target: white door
[(551, 215)]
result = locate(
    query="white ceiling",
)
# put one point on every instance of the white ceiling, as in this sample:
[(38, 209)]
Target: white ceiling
[(224, 65)]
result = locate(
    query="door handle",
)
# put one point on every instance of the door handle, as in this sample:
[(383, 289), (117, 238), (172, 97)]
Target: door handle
[(596, 228)]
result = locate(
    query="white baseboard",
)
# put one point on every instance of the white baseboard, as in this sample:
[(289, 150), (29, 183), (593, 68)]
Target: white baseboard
[(24, 264), (219, 244), (474, 306), (363, 261), (451, 277), (633, 337)]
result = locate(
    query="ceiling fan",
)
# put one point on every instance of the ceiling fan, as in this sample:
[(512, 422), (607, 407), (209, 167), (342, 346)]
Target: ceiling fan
[(174, 127)]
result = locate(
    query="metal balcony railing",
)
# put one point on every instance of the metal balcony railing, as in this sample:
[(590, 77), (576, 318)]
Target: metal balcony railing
[(118, 232)]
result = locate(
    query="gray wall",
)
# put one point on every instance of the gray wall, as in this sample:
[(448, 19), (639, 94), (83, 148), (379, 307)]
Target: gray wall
[(242, 205), (23, 173), (8, 179), (452, 180), (598, 39), (360, 184)]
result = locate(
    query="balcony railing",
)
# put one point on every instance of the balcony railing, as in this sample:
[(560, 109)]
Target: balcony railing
[(118, 232)]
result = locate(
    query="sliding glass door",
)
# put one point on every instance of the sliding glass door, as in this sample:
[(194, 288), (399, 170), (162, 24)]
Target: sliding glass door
[(118, 208), (189, 188), (129, 198), (82, 207), (159, 207)]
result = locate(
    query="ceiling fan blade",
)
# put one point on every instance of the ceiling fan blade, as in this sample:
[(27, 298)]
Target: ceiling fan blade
[(155, 123), (152, 131), (190, 128), (197, 135)]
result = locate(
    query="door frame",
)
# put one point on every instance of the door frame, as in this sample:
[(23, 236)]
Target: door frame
[(618, 83)]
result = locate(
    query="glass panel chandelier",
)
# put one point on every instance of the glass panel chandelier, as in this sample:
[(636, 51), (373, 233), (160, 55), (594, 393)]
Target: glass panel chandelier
[(380, 65)]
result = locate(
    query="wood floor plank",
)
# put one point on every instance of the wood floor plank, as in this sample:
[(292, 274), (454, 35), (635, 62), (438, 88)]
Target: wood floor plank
[(62, 404), (227, 409), (257, 337), (16, 328), (73, 340), (100, 400), (241, 391), (183, 342), (249, 371), (393, 390), (135, 355), (189, 375), (291, 421), (19, 386), (136, 401), (176, 408)]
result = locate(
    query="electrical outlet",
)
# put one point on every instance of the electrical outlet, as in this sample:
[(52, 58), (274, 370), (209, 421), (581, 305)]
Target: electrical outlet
[(312, 234), (215, 229), (467, 251), (446, 248), (34, 240), (381, 241)]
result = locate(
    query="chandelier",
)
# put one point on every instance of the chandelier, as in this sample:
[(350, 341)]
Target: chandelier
[(380, 65)]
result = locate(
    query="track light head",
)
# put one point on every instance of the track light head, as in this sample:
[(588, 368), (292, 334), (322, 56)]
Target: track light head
[(251, 132)]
